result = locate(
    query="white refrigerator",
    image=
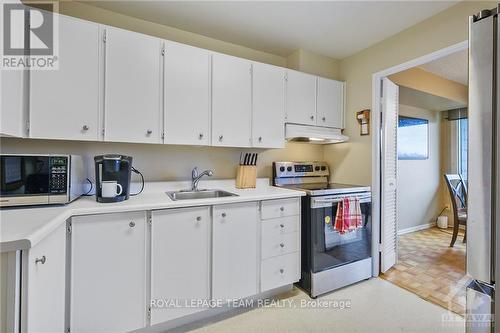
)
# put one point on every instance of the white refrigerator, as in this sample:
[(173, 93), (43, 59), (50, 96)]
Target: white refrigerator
[(483, 207)]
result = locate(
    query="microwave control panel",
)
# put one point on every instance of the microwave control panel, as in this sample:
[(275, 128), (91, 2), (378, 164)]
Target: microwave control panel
[(58, 174)]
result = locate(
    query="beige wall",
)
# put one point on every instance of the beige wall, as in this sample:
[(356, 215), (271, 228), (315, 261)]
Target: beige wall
[(312, 63), (419, 192), (351, 161)]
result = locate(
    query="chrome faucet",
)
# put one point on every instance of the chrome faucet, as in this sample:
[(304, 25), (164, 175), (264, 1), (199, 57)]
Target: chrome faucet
[(195, 177)]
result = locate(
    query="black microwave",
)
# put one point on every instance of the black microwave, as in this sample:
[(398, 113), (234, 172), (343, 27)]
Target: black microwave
[(40, 179)]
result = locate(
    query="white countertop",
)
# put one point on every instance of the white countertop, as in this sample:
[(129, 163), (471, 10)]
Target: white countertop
[(23, 228)]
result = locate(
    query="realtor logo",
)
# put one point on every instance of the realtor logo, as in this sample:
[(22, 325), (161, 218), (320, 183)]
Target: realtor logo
[(29, 36)]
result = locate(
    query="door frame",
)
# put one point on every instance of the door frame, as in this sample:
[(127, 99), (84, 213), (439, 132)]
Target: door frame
[(376, 128)]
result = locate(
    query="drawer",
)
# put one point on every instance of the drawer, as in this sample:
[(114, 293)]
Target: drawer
[(280, 244), (280, 271), (271, 209), (280, 226)]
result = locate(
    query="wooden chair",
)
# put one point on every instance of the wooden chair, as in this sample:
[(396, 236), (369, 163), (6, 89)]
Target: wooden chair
[(458, 194)]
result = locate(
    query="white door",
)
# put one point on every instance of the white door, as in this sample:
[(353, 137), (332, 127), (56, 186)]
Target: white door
[(300, 98), (234, 251), (180, 260), (46, 290), (108, 272), (132, 111), (64, 103), (330, 103), (231, 101), (187, 95), (268, 106), (390, 110), (11, 103)]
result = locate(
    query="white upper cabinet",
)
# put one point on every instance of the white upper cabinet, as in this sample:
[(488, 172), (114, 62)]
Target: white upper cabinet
[(180, 259), (187, 95), (268, 106), (133, 78), (330, 103), (300, 98), (108, 272), (64, 103), (231, 101), (11, 103)]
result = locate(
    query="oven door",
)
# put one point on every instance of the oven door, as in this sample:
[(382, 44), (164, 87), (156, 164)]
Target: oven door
[(331, 248)]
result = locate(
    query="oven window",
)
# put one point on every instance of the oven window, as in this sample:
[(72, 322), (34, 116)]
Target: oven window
[(330, 248), (21, 175)]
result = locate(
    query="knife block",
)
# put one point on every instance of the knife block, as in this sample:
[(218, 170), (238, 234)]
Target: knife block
[(246, 176)]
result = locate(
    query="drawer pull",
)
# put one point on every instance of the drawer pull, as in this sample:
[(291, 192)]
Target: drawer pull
[(282, 270), (198, 218), (282, 225), (282, 245), (131, 224), (41, 260), (223, 214), (282, 209)]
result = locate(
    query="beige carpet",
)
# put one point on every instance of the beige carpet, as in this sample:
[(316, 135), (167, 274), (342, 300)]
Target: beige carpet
[(375, 306)]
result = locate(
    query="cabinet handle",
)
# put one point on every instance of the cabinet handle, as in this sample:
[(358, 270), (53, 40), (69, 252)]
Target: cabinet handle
[(41, 260), (221, 137), (223, 214), (282, 225), (282, 209), (198, 218), (131, 224), (200, 136), (85, 128), (149, 132), (282, 245), (312, 117), (282, 270), (324, 118), (260, 139)]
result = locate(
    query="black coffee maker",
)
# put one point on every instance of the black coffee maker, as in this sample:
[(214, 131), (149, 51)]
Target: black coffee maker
[(112, 177)]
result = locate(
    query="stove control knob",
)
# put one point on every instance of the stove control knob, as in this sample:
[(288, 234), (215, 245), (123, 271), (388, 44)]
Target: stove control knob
[(323, 168), (282, 169), (289, 169), (316, 168)]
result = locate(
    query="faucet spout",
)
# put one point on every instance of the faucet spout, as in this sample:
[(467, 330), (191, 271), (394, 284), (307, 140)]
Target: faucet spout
[(195, 177)]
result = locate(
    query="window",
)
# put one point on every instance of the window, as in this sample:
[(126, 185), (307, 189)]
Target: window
[(462, 147), (413, 138)]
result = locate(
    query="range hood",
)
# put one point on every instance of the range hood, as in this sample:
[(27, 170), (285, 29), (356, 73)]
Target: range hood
[(313, 134)]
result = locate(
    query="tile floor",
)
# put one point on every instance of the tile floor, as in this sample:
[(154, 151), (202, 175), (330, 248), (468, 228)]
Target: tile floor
[(376, 306), (431, 269)]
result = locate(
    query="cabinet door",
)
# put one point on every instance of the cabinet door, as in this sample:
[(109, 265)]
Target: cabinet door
[(234, 251), (187, 95), (180, 257), (330, 103), (300, 98), (108, 272), (268, 107), (64, 103), (132, 87), (46, 279), (231, 101), (11, 103)]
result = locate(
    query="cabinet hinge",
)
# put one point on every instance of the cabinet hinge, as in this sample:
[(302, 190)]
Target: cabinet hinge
[(380, 247), (163, 51), (250, 70), (68, 330), (286, 77), (104, 36), (148, 311), (69, 229), (150, 220), (27, 127), (163, 135)]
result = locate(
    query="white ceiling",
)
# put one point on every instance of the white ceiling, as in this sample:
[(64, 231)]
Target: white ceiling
[(420, 99), (333, 28), (453, 67)]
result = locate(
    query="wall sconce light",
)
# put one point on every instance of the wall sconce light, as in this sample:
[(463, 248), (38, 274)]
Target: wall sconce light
[(363, 118)]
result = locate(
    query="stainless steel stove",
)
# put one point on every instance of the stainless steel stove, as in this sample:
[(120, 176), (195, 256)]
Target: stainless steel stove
[(330, 259)]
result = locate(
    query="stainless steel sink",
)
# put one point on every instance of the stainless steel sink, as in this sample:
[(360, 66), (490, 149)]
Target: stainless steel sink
[(200, 194)]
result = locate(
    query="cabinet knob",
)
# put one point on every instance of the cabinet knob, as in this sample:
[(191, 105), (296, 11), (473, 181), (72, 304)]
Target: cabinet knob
[(221, 137), (260, 139), (282, 225), (200, 136), (198, 218), (85, 127), (282, 209), (223, 214), (149, 132), (282, 270), (312, 117), (282, 245), (324, 118), (131, 224), (41, 260)]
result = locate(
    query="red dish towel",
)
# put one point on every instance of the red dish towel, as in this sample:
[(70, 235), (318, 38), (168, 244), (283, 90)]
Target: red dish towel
[(348, 215)]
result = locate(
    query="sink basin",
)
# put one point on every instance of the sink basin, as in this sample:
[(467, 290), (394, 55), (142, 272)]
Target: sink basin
[(200, 194)]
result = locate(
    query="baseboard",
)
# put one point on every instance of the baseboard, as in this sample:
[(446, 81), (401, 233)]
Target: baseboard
[(416, 228)]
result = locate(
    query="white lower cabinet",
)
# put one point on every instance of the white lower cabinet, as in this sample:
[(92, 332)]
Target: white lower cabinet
[(235, 252), (280, 271), (108, 272), (180, 262), (45, 306)]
